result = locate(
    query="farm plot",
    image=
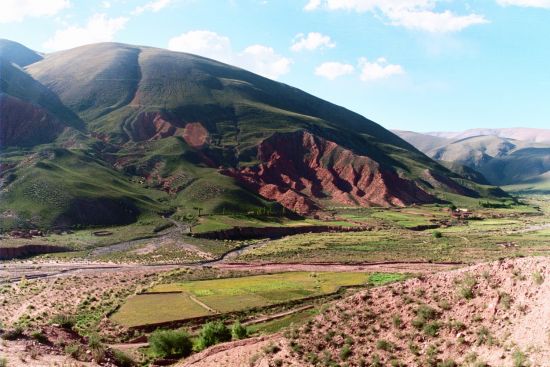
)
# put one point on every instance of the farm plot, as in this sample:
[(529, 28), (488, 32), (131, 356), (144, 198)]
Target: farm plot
[(236, 294), (145, 309)]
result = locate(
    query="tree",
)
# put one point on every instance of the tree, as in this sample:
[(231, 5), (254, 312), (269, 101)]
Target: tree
[(213, 333), (238, 331), (170, 343)]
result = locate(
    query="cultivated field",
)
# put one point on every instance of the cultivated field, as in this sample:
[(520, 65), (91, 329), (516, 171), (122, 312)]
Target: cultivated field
[(201, 298)]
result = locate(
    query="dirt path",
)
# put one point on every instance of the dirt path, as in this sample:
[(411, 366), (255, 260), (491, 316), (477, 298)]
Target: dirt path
[(203, 305), (240, 352), (387, 267), (13, 272), (277, 315)]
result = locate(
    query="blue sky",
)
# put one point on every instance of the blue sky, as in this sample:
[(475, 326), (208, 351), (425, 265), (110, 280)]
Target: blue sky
[(418, 65)]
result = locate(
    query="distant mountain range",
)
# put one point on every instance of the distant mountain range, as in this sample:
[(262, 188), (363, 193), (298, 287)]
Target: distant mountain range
[(111, 133), (517, 157)]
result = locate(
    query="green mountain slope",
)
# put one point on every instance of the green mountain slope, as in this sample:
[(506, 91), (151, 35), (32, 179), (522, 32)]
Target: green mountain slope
[(153, 131)]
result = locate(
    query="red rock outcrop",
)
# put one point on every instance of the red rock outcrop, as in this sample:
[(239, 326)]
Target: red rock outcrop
[(302, 171), (26, 124), (154, 125)]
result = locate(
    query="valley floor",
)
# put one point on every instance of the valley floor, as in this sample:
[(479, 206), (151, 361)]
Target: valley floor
[(102, 274)]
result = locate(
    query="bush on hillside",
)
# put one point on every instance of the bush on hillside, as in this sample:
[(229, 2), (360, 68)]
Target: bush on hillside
[(213, 333), (170, 343)]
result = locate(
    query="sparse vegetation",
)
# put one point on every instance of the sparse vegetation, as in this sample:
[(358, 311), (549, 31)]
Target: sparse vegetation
[(213, 333), (170, 343)]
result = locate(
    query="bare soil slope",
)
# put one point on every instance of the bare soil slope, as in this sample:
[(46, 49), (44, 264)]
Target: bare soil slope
[(494, 314)]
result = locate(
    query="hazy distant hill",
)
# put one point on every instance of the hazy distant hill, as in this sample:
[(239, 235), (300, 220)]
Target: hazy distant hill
[(114, 132), (522, 162), (520, 133)]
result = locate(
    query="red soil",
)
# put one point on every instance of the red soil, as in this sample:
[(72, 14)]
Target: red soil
[(195, 134), (154, 126), (299, 170), (493, 314), (23, 122)]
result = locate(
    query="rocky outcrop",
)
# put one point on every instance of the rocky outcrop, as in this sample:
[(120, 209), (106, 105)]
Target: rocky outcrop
[(26, 124), (302, 171)]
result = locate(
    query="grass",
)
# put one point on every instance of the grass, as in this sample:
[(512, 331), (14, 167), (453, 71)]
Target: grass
[(470, 242), (273, 326), (237, 294), (154, 308)]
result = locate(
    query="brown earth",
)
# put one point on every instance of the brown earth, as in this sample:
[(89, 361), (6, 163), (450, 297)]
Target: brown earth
[(195, 134), (26, 124), (493, 314), (326, 171)]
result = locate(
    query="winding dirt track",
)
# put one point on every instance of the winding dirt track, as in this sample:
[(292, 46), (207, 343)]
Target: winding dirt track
[(13, 272)]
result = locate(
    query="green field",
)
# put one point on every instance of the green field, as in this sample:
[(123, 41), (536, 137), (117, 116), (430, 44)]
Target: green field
[(152, 308), (237, 294)]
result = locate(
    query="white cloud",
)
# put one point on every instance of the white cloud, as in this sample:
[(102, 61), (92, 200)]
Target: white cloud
[(379, 69), (545, 4), (264, 61), (435, 22), (203, 43), (99, 28), (257, 58), (154, 6), (17, 10), (333, 70), (311, 41), (312, 5), (411, 14), (105, 4)]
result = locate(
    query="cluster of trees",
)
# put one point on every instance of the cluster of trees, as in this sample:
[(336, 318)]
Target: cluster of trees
[(178, 343)]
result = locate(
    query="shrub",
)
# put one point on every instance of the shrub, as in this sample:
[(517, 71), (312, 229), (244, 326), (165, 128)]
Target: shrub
[(122, 359), (63, 320), (74, 350), (397, 321), (519, 358), (272, 348), (345, 353), (384, 345), (466, 289), (505, 300), (444, 305), (437, 234), (538, 278), (426, 312), (13, 334), (3, 362), (447, 363), (213, 333), (96, 347), (39, 337), (170, 343), (484, 336), (414, 349), (376, 362), (431, 328), (238, 331)]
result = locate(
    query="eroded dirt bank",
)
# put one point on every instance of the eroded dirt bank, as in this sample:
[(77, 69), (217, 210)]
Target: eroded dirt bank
[(492, 314)]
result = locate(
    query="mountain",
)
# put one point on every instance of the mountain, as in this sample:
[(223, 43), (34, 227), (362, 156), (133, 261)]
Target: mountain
[(422, 142), (530, 135), (128, 131), (521, 164), (16, 53)]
